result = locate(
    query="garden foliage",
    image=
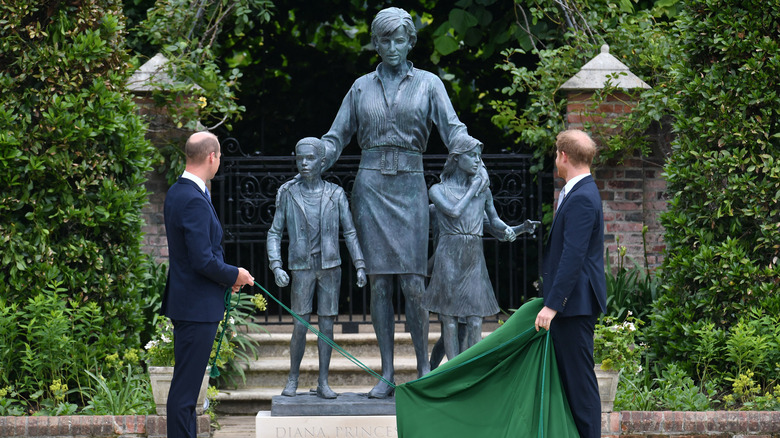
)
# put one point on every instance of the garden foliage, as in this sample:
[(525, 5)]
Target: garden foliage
[(533, 106), (721, 273), (73, 161)]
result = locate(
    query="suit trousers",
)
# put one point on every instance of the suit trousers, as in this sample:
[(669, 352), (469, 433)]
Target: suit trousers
[(192, 343), (573, 341)]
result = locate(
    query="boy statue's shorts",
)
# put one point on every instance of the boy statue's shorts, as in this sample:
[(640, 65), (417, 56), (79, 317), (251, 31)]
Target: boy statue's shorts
[(327, 283)]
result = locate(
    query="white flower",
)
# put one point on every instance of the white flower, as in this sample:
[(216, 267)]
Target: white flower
[(166, 339), (231, 321), (150, 345)]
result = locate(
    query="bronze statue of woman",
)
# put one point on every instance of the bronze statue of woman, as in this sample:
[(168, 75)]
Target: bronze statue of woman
[(392, 110)]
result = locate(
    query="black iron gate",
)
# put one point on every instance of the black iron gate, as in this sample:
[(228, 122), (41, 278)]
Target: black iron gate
[(244, 194)]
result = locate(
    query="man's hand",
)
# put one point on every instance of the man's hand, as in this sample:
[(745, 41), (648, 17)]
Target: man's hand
[(361, 275), (544, 318), (244, 278), (281, 277)]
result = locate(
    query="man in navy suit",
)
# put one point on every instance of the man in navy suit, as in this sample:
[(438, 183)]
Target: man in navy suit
[(197, 279), (573, 280)]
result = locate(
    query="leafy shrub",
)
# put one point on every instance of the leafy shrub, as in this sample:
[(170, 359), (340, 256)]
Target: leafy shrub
[(534, 108), (73, 163), (672, 390), (125, 392), (747, 394), (615, 344), (630, 290), (723, 177)]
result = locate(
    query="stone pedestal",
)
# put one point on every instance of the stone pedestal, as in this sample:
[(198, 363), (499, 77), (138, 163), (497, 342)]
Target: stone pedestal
[(365, 426), (347, 404)]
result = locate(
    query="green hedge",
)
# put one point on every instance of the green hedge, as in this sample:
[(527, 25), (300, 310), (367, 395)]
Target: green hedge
[(721, 270), (73, 161)]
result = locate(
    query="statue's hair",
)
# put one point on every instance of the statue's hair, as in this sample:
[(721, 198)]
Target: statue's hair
[(313, 141), (388, 20), (578, 145), (466, 144), (200, 145)]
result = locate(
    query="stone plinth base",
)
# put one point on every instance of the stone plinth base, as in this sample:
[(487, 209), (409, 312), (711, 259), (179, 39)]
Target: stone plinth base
[(356, 426), (347, 404)]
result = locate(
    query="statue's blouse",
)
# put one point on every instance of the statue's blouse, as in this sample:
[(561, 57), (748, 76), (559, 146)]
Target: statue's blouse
[(403, 122)]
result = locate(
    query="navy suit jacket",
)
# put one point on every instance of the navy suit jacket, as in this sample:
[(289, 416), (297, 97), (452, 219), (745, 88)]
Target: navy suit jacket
[(573, 278), (197, 274)]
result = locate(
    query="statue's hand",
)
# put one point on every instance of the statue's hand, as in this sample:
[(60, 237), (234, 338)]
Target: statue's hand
[(484, 176), (477, 183), (509, 234), (531, 225), (286, 185), (281, 277), (361, 277)]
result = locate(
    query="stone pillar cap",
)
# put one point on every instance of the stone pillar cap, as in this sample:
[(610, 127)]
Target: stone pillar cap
[(150, 75), (594, 74)]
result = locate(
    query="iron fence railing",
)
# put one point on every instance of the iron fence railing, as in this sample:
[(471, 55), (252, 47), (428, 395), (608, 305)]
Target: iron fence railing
[(244, 194)]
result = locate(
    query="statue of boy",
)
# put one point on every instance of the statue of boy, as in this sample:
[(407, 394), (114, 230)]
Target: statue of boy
[(311, 209)]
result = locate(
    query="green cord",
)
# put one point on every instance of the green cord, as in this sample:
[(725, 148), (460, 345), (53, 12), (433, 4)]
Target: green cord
[(544, 377), (228, 295), (337, 347), (329, 341)]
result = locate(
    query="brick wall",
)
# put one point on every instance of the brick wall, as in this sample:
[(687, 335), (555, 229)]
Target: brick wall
[(634, 197), (645, 424), (94, 426), (633, 190), (154, 241), (710, 424), (161, 133)]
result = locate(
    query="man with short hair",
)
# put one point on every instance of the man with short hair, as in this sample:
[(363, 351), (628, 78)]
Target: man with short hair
[(198, 278), (573, 280)]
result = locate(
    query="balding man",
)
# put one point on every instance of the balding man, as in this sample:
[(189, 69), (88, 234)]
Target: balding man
[(197, 279)]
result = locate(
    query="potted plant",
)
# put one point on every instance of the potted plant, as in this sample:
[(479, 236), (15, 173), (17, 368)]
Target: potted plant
[(615, 350), (160, 358)]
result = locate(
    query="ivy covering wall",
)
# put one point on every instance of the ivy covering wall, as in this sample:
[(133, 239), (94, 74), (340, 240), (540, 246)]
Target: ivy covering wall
[(73, 161), (721, 270)]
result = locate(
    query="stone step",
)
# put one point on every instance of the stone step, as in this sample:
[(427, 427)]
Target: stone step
[(274, 372), (357, 344), (267, 376)]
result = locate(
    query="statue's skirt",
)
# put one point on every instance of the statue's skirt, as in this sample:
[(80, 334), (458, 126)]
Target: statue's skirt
[(506, 385), (390, 211)]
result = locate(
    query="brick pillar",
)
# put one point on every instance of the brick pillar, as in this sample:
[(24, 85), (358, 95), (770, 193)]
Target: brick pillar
[(633, 189), (163, 133)]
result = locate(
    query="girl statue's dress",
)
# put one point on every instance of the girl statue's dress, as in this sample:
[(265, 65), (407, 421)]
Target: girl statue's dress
[(460, 285)]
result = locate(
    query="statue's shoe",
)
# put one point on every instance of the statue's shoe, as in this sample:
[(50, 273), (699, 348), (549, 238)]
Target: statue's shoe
[(324, 391), (381, 390), (291, 388)]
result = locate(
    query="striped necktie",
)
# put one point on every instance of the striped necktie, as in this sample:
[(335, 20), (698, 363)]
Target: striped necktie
[(561, 196)]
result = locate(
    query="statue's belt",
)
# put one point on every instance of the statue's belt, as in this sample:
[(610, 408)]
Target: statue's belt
[(390, 161)]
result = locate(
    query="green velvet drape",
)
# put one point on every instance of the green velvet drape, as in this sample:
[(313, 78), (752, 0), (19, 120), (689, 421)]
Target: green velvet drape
[(507, 385)]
